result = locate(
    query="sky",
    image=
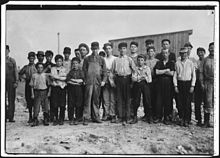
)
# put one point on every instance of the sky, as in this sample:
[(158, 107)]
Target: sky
[(37, 30)]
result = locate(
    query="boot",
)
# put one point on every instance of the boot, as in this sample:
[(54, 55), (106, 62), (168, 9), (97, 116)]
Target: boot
[(35, 122), (30, 120), (113, 120), (206, 121), (135, 120), (45, 121), (199, 123), (85, 122)]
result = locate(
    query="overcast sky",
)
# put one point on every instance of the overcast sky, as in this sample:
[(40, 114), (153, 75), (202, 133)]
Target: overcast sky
[(37, 30)]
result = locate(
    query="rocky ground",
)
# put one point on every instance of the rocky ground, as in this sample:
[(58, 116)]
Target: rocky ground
[(106, 138)]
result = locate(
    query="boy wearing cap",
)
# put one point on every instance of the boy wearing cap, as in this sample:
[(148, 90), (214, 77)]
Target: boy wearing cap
[(49, 63), (58, 91), (134, 49), (77, 53), (74, 88), (28, 70), (109, 90), (184, 81), (141, 79), (164, 70), (151, 62), (207, 83), (67, 61), (11, 84), (40, 56), (39, 92), (94, 68), (199, 92), (122, 68), (149, 43)]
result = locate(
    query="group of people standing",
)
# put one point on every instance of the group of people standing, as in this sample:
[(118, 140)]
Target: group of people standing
[(115, 82)]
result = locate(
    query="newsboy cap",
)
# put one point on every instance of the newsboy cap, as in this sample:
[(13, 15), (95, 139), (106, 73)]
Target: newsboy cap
[(40, 53), (84, 45), (134, 43), (188, 44), (122, 44), (183, 50), (148, 41), (48, 53), (31, 54), (95, 45)]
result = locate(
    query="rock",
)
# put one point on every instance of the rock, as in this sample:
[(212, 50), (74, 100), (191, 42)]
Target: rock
[(181, 150), (154, 148)]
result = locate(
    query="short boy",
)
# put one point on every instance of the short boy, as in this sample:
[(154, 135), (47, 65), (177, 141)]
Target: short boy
[(207, 82), (199, 92), (28, 70), (40, 56), (77, 53), (94, 68), (58, 91), (184, 81), (39, 92), (49, 63), (141, 79), (74, 89), (122, 69)]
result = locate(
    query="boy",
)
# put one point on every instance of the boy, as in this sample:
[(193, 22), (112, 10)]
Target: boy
[(77, 53), (109, 91), (28, 71), (199, 92), (184, 81), (122, 69), (39, 92), (49, 63), (40, 56), (11, 84), (207, 83), (67, 61), (149, 43), (58, 91), (141, 79), (74, 88), (151, 62), (94, 68), (134, 49), (84, 51)]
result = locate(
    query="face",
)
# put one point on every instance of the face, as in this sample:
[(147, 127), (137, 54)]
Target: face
[(211, 50), (31, 59), (133, 48), (77, 54), (40, 58), (66, 55), (122, 50), (183, 55), (166, 45), (108, 50), (140, 61), (75, 64), (150, 52), (59, 62), (83, 51), (201, 54), (165, 53), (149, 45), (49, 58), (7, 51), (95, 50), (189, 50), (40, 68)]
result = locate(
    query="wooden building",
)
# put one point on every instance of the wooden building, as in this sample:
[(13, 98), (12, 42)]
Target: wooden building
[(178, 39)]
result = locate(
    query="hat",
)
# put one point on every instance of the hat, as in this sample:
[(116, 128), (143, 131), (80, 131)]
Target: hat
[(48, 53), (94, 45), (188, 44), (67, 50), (107, 44), (183, 50), (31, 54), (75, 59), (148, 41), (134, 43), (141, 56), (200, 49), (102, 53), (84, 45), (122, 44), (7, 47), (40, 53)]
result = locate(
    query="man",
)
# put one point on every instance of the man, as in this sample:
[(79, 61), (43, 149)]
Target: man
[(40, 57), (94, 67), (11, 85), (149, 43)]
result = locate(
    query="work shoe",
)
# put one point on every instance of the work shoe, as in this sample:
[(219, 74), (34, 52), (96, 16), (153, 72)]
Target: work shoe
[(71, 122), (30, 120), (119, 120), (181, 123), (97, 121), (135, 120), (123, 123), (105, 118), (35, 122), (61, 122), (129, 121), (113, 120), (150, 120), (157, 120), (186, 124), (85, 121), (199, 123), (55, 122), (75, 122)]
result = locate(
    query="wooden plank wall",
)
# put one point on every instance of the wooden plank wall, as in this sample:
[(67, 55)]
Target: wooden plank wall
[(178, 39)]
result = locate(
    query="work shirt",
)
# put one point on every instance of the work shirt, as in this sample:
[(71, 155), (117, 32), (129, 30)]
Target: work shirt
[(94, 68), (28, 71), (75, 74), (134, 58), (11, 70), (58, 72), (123, 66), (39, 81), (161, 66), (171, 57), (67, 65), (143, 71), (151, 64), (185, 71), (46, 66), (207, 69)]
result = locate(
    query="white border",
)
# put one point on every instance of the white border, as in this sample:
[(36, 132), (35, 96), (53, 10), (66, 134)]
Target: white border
[(122, 3)]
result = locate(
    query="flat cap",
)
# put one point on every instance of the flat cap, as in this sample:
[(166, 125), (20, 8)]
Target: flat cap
[(40, 53), (95, 45), (84, 45), (122, 44), (183, 50), (48, 53), (134, 43), (31, 54), (200, 49), (188, 44), (148, 41), (75, 59)]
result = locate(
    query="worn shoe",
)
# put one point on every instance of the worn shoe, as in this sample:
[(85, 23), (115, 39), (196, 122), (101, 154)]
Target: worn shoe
[(61, 122), (71, 122), (118, 120), (97, 121), (123, 123), (199, 123), (186, 124), (157, 120), (85, 122), (135, 120), (30, 120), (150, 120), (113, 120), (55, 122), (35, 122), (105, 118)]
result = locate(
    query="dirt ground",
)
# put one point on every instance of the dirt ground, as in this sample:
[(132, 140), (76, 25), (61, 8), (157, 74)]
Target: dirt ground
[(106, 138)]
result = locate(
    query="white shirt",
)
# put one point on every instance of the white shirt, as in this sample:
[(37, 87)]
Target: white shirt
[(108, 61)]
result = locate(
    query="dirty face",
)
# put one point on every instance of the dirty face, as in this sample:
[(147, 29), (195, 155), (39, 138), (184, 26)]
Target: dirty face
[(211, 50), (40, 68), (59, 62), (151, 53), (201, 54), (140, 61), (40, 58), (108, 50), (123, 50), (83, 51), (49, 58), (75, 65), (166, 45), (133, 48), (31, 59)]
